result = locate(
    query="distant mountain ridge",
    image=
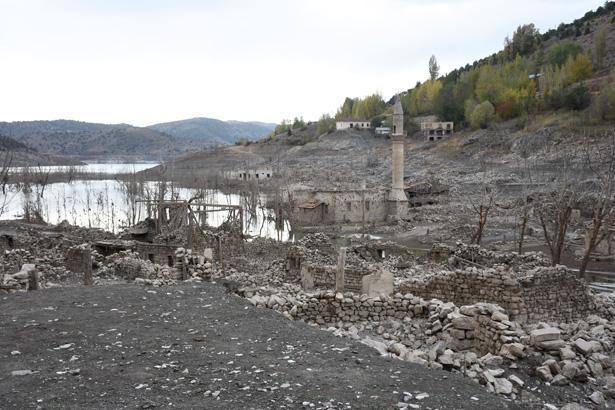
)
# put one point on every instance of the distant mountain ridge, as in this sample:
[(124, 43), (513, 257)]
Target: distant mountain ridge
[(213, 131), (85, 140), (93, 141)]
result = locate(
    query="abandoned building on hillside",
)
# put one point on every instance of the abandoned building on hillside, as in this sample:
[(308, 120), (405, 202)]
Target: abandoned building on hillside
[(352, 123), (250, 174), (437, 130), (421, 193)]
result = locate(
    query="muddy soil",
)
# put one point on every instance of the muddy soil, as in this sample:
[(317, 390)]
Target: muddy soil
[(196, 346)]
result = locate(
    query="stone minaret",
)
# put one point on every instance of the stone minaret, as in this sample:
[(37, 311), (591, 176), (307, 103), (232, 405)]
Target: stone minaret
[(397, 147)]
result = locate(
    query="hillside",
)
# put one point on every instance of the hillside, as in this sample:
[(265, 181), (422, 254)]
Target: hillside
[(94, 141), (569, 68), (9, 144), (213, 132), (19, 154)]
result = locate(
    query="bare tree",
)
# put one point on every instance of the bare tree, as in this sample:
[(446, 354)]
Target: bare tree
[(5, 167), (525, 201), (524, 216), (482, 207), (554, 208), (600, 161)]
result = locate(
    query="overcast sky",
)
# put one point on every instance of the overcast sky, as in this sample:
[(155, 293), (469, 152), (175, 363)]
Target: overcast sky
[(148, 61)]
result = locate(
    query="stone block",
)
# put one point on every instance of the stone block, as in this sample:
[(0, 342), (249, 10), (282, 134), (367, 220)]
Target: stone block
[(464, 323), (545, 334), (583, 346), (377, 284)]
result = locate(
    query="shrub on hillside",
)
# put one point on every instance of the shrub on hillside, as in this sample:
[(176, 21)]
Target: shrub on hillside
[(579, 68), (559, 53), (325, 125), (377, 121), (575, 97), (243, 141), (603, 106), (482, 115)]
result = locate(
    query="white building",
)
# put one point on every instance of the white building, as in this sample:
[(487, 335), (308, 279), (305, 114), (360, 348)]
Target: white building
[(352, 123)]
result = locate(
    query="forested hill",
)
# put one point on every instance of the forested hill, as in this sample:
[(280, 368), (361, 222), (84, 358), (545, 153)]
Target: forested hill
[(95, 141), (568, 69), (15, 153), (9, 144), (209, 130)]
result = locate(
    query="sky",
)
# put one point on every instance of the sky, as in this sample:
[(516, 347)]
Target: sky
[(149, 61)]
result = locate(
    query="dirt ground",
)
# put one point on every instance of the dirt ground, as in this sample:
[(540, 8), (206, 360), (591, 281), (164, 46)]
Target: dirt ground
[(196, 346)]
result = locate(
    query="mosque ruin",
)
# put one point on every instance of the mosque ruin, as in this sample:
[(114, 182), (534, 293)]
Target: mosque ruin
[(362, 205)]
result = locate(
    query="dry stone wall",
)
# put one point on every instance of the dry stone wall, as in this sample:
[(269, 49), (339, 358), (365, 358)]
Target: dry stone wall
[(543, 293), (482, 327)]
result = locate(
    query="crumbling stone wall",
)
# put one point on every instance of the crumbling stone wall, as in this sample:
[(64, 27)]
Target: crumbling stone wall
[(543, 293), (323, 276), (160, 254), (482, 327), (343, 206), (328, 307)]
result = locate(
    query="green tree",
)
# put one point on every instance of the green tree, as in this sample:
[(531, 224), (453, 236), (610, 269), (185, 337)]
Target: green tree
[(482, 115), (603, 106), (298, 123), (283, 127), (489, 86), (525, 40), (434, 68), (468, 108), (325, 125), (578, 68), (345, 110), (448, 104), (368, 107), (551, 79), (559, 53), (575, 97)]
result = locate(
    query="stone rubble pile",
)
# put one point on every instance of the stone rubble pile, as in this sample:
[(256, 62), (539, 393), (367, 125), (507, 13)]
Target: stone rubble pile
[(269, 275), (197, 267), (574, 351), (479, 340), (12, 260), (20, 280), (128, 265), (479, 255), (48, 264)]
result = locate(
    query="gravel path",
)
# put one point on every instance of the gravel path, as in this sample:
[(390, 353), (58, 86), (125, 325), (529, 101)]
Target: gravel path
[(195, 346)]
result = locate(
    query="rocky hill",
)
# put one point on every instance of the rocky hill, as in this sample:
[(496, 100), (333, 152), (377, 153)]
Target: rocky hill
[(214, 132)]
